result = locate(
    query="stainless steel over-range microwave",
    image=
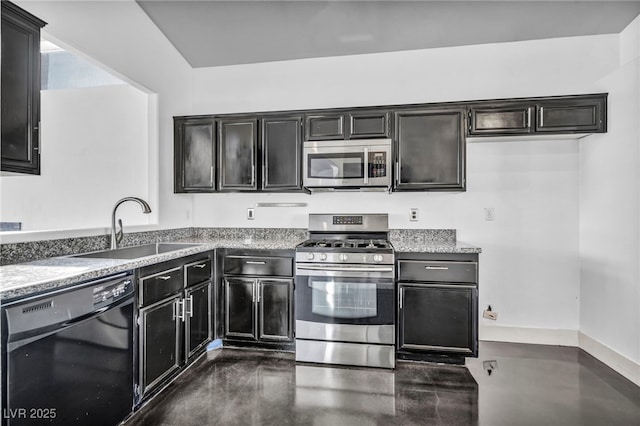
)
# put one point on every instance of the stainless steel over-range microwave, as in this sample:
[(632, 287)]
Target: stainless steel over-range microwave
[(363, 164)]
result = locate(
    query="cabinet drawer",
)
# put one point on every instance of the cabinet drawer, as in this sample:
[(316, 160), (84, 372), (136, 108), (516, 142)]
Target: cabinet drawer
[(158, 286), (258, 265), (438, 271), (198, 271)]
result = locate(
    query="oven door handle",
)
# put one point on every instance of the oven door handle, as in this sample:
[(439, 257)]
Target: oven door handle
[(344, 268)]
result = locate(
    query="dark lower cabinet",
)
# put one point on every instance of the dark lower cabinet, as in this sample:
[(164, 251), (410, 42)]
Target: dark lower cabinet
[(437, 307), (159, 343), (430, 149), (281, 153), (258, 287), (175, 322), (20, 95), (194, 155), (259, 309)]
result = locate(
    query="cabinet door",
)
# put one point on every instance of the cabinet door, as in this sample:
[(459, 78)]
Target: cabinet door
[(198, 318), (20, 96), (275, 317), (500, 119), (438, 318), (237, 158), (572, 115), (431, 149), (159, 342), (281, 153), (369, 125), (195, 155), (324, 127), (240, 309)]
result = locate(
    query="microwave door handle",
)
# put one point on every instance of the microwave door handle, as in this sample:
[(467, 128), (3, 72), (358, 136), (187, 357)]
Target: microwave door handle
[(366, 166)]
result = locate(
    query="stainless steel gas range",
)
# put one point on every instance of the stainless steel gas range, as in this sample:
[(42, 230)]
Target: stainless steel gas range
[(345, 291)]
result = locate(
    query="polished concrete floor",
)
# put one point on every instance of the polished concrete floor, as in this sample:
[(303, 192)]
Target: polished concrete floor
[(509, 384)]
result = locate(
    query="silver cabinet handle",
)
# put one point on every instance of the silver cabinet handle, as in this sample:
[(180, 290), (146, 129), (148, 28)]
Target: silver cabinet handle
[(437, 268), (211, 176), (528, 117), (256, 262), (202, 265), (541, 116), (253, 293), (190, 310), (400, 297), (184, 310), (258, 290), (164, 277)]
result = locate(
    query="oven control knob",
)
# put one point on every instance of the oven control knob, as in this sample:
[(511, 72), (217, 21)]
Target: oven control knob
[(323, 256), (310, 256), (377, 258), (343, 257)]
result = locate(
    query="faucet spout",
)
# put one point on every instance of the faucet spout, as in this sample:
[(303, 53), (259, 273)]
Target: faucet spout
[(116, 236)]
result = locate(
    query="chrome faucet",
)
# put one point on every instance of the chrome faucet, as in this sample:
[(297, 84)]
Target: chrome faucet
[(116, 236)]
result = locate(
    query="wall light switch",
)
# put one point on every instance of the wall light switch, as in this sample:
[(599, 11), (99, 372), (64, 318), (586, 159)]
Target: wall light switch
[(489, 213), (413, 215), (251, 213)]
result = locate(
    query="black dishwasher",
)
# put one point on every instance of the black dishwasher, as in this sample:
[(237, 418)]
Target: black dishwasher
[(69, 355)]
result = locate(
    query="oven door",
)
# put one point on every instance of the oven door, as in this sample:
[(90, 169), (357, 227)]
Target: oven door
[(340, 294)]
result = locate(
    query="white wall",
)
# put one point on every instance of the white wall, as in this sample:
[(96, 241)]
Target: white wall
[(610, 213), (94, 152), (120, 37)]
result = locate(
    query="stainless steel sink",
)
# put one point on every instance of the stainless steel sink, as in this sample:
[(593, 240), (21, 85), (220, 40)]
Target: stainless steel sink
[(136, 251)]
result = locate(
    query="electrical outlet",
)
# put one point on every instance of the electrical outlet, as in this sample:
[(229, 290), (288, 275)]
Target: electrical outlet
[(251, 213), (490, 365), (490, 314), (489, 213), (413, 215)]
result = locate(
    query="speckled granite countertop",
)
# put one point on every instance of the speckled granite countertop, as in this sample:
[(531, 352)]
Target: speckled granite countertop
[(22, 279), (434, 247)]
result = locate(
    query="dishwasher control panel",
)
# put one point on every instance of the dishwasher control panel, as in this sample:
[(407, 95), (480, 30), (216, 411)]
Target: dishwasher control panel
[(110, 292)]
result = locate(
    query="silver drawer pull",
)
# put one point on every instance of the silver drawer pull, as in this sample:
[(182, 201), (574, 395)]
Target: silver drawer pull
[(165, 277), (202, 265), (256, 262), (437, 268)]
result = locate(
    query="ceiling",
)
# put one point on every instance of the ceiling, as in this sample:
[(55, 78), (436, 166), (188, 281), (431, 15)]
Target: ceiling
[(218, 33)]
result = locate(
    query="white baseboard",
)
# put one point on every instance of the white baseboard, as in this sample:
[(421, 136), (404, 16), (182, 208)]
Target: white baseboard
[(620, 363), (538, 336), (541, 336)]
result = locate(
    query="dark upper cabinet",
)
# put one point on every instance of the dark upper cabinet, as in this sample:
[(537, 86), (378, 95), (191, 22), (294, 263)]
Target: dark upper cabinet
[(237, 143), (281, 153), (324, 126), (194, 155), (500, 119), (20, 95), (373, 124), (556, 115), (580, 114), (430, 149)]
